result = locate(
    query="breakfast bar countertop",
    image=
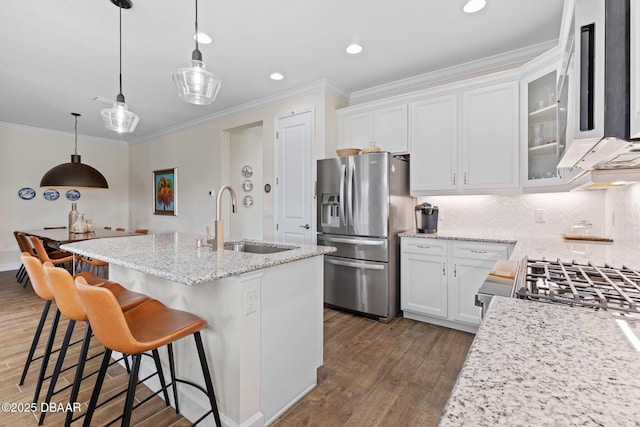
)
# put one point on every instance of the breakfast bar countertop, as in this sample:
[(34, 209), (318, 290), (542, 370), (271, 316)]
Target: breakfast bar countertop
[(174, 256), (533, 363)]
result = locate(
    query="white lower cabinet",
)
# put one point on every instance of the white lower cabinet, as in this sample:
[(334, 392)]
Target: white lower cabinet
[(440, 278)]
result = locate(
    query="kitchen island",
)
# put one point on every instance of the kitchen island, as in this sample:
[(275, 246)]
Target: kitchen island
[(264, 313), (533, 363)]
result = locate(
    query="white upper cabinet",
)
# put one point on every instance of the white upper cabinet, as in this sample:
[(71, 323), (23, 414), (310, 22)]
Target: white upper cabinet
[(635, 69), (385, 127), (490, 137), (466, 142), (434, 144)]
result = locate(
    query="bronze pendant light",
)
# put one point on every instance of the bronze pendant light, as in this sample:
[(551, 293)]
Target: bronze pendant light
[(74, 174)]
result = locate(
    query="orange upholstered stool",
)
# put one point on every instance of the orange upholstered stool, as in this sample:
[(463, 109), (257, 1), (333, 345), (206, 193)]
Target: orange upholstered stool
[(145, 327), (69, 304), (40, 284)]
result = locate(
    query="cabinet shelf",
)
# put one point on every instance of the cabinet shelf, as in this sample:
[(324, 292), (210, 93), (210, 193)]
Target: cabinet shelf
[(545, 114), (544, 149)]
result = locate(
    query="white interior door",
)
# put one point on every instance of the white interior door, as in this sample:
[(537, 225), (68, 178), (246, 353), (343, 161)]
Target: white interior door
[(294, 183)]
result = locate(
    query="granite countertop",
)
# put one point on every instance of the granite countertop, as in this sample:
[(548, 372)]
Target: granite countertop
[(174, 256), (550, 247), (535, 363)]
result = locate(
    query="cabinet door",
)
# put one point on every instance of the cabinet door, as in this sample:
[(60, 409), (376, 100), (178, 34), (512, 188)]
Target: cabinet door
[(465, 278), (356, 130), (424, 277), (390, 129), (635, 69), (490, 137), (469, 265), (433, 132)]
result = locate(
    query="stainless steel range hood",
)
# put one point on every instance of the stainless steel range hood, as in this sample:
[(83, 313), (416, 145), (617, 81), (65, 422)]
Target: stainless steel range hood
[(602, 67)]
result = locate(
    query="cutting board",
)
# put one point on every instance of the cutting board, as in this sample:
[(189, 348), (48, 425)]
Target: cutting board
[(586, 238)]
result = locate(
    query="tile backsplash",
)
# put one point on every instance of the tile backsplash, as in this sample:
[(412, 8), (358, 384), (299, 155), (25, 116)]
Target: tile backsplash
[(623, 214), (515, 215)]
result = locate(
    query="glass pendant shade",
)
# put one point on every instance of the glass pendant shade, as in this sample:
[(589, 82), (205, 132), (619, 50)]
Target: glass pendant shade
[(119, 118), (195, 84), (74, 175)]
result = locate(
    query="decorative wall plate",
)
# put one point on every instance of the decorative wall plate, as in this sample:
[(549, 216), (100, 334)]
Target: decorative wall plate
[(73, 195), (51, 194), (267, 188), (26, 193), (247, 171), (247, 201), (247, 185)]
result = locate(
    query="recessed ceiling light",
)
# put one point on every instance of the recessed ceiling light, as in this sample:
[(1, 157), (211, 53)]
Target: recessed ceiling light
[(276, 76), (474, 6), (354, 49), (203, 38)]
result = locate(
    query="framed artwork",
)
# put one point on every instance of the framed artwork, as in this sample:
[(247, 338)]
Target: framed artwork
[(165, 192)]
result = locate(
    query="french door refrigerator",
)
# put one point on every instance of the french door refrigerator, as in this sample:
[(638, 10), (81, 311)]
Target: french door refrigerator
[(363, 203)]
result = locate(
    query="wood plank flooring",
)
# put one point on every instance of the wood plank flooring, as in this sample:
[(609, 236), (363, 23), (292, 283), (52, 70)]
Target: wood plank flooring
[(395, 374)]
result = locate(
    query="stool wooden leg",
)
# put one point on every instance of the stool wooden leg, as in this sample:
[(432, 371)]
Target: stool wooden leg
[(207, 378), (96, 389), (75, 389), (47, 354), (131, 391), (172, 370), (56, 371), (36, 338)]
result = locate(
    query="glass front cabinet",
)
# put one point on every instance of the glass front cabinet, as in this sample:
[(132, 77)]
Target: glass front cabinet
[(544, 131)]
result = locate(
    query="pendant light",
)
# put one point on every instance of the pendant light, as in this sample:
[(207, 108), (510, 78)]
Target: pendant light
[(195, 84), (119, 118), (74, 174)]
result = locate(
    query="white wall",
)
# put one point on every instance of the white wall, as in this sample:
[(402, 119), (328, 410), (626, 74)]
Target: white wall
[(202, 154), (246, 149), (26, 154)]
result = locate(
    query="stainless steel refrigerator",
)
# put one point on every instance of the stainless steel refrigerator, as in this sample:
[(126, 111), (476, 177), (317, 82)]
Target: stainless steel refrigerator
[(363, 202)]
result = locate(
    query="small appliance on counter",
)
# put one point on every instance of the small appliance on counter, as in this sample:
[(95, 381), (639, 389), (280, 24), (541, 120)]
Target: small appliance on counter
[(426, 218)]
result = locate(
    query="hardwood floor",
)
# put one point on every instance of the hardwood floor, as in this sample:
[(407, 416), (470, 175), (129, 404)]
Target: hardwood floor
[(395, 374)]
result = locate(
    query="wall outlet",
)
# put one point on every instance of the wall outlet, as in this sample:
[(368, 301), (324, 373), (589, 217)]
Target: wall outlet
[(250, 301), (541, 215)]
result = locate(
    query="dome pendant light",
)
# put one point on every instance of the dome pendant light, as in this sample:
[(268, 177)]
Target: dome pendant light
[(119, 118), (195, 84), (74, 174)]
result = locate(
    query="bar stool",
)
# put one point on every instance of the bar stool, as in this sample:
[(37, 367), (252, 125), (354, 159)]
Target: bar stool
[(34, 269), (94, 266), (44, 255), (69, 304), (145, 327)]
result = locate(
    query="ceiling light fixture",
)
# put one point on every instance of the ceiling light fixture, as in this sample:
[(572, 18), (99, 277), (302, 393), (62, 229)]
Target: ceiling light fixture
[(202, 38), (119, 118), (195, 84), (276, 76), (354, 49), (74, 174), (474, 6)]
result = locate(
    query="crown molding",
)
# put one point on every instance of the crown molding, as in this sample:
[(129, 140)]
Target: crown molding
[(490, 63), (323, 85), (43, 131)]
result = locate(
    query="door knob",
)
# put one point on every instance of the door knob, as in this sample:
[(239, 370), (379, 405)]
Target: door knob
[(306, 226)]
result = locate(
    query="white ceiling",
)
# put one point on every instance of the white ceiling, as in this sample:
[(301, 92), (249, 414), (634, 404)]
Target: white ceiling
[(56, 56)]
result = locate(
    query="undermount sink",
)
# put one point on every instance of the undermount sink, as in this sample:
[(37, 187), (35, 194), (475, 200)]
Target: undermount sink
[(254, 248)]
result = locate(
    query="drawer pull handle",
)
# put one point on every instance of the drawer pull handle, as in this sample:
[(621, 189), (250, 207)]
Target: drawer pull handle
[(424, 247), (475, 251)]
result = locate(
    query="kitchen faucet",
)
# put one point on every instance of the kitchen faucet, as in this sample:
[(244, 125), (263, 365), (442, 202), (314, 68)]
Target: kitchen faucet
[(218, 241)]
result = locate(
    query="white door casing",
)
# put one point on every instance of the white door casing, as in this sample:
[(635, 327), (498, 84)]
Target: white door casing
[(293, 192)]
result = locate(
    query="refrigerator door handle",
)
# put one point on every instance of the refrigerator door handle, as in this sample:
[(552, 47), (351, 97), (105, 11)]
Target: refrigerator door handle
[(343, 172), (350, 193), (354, 241), (355, 265)]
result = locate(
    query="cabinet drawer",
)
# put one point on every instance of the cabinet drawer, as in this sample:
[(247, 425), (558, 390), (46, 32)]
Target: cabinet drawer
[(480, 251), (424, 246)]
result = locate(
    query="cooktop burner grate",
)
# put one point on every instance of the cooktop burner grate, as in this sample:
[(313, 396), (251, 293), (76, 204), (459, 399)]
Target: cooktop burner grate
[(585, 285)]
